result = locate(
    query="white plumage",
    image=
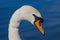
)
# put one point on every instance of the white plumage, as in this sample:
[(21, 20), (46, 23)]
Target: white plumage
[(24, 13)]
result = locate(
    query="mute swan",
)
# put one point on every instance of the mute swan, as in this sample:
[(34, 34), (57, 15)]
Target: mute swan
[(28, 13)]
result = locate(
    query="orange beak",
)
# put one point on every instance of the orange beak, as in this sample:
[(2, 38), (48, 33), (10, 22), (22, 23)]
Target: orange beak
[(39, 26)]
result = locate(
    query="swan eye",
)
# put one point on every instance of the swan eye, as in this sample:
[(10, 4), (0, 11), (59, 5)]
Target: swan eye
[(38, 18)]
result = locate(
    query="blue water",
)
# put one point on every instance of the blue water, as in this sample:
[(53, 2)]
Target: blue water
[(50, 10)]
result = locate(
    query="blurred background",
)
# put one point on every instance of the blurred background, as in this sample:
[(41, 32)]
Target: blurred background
[(50, 10)]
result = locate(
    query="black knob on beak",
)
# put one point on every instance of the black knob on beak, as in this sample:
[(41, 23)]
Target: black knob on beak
[(38, 18)]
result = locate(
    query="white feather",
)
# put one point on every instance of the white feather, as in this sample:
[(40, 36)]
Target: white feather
[(24, 13)]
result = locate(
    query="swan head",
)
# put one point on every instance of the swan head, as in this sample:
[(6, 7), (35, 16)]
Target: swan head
[(28, 13), (37, 23), (34, 16)]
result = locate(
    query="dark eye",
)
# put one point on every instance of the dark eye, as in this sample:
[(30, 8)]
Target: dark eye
[(38, 18)]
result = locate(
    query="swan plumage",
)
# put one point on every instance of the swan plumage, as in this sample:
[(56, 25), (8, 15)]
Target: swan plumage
[(26, 12)]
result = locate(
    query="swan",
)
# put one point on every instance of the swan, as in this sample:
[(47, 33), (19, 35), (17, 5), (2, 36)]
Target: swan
[(28, 13)]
